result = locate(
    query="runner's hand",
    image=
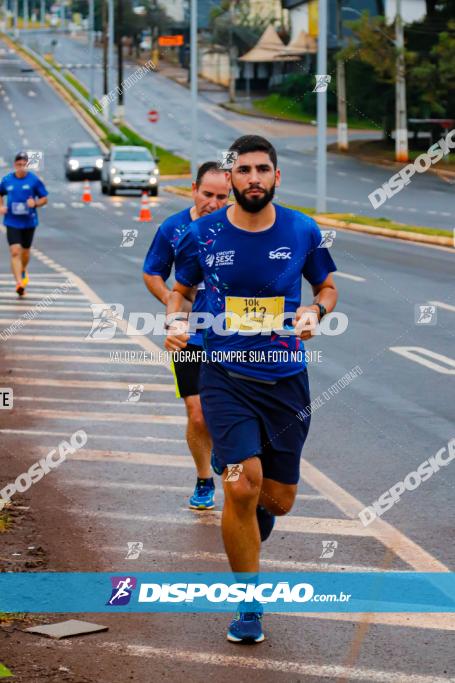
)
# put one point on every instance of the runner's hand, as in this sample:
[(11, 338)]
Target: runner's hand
[(306, 321), (31, 202), (3, 210), (177, 336)]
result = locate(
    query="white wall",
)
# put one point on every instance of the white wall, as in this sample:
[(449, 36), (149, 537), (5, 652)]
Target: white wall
[(174, 8), (298, 17)]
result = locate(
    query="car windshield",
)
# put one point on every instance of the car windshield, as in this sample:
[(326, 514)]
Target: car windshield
[(85, 151), (132, 155)]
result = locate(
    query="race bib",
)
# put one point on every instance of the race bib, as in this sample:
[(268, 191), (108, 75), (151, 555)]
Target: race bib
[(260, 310), (19, 208)]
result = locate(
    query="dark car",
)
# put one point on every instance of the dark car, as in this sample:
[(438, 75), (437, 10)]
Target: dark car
[(83, 160)]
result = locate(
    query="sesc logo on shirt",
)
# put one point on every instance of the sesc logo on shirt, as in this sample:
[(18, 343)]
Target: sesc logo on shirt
[(221, 258), (280, 253)]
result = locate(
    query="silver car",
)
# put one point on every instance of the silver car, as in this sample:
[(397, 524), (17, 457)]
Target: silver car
[(128, 167), (83, 160)]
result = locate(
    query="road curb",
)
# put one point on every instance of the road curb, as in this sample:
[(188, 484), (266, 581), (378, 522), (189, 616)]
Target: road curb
[(326, 221)]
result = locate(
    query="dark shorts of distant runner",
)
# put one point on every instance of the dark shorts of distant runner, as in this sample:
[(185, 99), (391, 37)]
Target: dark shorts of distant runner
[(248, 418), (186, 367), (22, 236)]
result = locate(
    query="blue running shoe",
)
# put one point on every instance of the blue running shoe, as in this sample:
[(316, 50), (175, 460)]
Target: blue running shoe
[(203, 497), (218, 469), (246, 627), (266, 522)]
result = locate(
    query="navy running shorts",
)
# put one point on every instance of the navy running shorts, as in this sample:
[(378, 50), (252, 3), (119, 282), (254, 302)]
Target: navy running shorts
[(247, 418), (22, 236)]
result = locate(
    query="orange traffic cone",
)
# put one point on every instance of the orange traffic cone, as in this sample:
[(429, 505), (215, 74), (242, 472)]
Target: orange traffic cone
[(86, 193), (145, 215)]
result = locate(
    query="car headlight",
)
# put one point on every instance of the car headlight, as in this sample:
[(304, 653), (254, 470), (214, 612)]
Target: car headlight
[(113, 170), (116, 180), (74, 164), (155, 171), (153, 180), (99, 163)]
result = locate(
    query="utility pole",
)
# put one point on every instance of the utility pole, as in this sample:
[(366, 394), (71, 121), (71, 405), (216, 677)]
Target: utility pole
[(105, 61), (342, 126), (110, 51), (401, 124), (42, 13), (194, 77), (91, 43), (25, 13), (321, 167), (232, 69), (15, 9), (62, 15), (120, 103)]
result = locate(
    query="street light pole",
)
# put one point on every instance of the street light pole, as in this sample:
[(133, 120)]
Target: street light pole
[(91, 39), (321, 95), (15, 9), (25, 12), (401, 127), (342, 127), (194, 89), (42, 13), (120, 105), (110, 50)]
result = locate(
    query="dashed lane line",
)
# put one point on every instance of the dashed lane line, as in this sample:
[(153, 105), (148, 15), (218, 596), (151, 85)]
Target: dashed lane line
[(348, 276), (429, 359), (441, 304)]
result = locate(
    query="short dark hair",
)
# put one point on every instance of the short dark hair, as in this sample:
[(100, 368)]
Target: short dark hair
[(254, 143), (207, 167)]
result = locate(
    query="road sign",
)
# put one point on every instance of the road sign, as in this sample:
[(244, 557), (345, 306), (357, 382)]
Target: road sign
[(170, 41), (153, 116)]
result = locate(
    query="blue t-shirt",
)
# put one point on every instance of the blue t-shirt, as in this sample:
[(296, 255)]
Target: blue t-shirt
[(161, 256), (238, 263), (18, 190)]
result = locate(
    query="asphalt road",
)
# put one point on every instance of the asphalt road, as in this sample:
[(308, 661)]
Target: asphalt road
[(132, 480), (427, 201)]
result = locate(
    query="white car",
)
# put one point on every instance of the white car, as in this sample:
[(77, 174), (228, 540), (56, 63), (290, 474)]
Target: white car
[(130, 168)]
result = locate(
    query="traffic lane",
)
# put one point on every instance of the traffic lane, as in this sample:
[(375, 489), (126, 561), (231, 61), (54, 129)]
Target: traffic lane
[(45, 105)]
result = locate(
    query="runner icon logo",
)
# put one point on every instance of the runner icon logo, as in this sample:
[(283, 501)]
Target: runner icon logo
[(134, 550), (105, 319), (128, 238), (234, 472), (134, 392), (425, 314), (328, 549), (328, 237), (122, 587)]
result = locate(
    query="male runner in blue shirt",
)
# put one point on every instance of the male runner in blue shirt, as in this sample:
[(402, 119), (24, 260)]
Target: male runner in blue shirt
[(252, 256), (25, 192), (210, 192)]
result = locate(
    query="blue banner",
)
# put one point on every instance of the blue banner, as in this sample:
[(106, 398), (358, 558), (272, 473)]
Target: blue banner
[(224, 592)]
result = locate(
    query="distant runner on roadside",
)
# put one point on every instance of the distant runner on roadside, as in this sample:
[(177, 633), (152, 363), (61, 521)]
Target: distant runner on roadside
[(252, 257), (24, 193), (210, 192)]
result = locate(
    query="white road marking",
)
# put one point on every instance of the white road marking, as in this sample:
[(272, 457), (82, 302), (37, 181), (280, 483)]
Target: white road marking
[(348, 276), (58, 339), (94, 437), (85, 401), (90, 416), (205, 556), (420, 355), (58, 205), (408, 551), (290, 523), (4, 294), (330, 671), (49, 322), (21, 307), (441, 304), (366, 180), (83, 384)]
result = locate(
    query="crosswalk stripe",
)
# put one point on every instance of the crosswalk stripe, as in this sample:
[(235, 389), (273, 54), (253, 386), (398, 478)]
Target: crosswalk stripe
[(21, 307), (61, 339), (95, 437), (81, 384), (56, 322), (329, 671), (205, 556), (290, 523), (32, 295), (110, 416), (78, 401), (132, 486)]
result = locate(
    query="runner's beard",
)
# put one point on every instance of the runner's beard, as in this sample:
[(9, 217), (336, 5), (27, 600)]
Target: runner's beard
[(253, 204)]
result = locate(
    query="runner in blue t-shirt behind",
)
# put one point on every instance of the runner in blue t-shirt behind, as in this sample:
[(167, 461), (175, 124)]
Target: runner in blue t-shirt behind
[(25, 192), (210, 192), (251, 257)]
